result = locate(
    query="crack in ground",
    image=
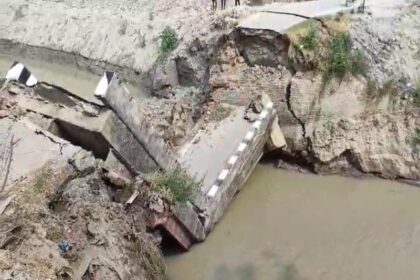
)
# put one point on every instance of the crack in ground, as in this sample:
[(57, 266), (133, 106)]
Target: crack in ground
[(289, 107), (61, 145)]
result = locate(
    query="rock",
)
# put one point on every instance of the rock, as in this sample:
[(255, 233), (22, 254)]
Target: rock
[(156, 203), (84, 162), (166, 75), (14, 89), (276, 139), (344, 134), (262, 47), (88, 188), (5, 260), (3, 114), (117, 180), (250, 116), (90, 111)]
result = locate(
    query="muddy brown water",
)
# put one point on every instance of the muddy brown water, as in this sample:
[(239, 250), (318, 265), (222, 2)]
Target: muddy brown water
[(289, 226)]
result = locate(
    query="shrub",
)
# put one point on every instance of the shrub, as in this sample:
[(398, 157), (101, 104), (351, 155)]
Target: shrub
[(310, 40), (388, 88), (359, 64), (342, 59), (177, 182), (339, 62), (168, 40), (416, 140), (417, 96)]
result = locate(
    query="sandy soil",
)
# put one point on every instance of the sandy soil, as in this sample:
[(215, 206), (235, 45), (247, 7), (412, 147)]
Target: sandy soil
[(389, 34), (123, 32)]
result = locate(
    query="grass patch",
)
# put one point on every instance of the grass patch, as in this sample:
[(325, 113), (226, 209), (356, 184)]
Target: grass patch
[(178, 183), (219, 113), (389, 88), (41, 179), (168, 40), (327, 48), (342, 59)]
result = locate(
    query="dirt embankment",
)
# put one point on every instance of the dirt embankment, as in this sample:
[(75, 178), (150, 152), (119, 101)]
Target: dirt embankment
[(351, 125), (340, 127), (66, 222)]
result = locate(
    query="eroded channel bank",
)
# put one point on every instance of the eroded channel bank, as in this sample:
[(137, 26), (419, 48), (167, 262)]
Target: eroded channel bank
[(286, 225)]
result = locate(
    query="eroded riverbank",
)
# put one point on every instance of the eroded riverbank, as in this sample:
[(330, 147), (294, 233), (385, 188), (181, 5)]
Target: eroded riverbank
[(285, 225)]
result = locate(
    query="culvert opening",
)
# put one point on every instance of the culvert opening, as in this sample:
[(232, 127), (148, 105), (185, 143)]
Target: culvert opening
[(168, 244), (89, 140)]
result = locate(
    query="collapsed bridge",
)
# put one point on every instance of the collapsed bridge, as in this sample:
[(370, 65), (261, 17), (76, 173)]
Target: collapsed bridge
[(111, 124)]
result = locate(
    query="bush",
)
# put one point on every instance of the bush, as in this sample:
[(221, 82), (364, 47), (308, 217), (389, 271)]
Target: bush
[(310, 40), (177, 182), (417, 96), (416, 140), (342, 59), (168, 40), (339, 62), (359, 64)]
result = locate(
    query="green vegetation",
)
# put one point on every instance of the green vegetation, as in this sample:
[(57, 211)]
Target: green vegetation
[(417, 137), (309, 41), (417, 95), (339, 59), (328, 49), (343, 60), (359, 64), (168, 40), (178, 183)]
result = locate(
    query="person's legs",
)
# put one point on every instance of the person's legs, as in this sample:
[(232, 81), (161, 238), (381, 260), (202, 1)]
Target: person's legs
[(214, 4), (237, 2)]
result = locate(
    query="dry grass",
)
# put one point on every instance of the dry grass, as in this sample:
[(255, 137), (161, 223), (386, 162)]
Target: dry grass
[(149, 257), (338, 24), (219, 113)]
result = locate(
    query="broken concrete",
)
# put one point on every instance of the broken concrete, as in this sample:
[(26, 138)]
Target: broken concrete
[(32, 148), (129, 110), (95, 133)]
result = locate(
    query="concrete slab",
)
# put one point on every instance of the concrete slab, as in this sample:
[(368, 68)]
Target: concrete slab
[(209, 155), (32, 150), (130, 112), (279, 17), (96, 133)]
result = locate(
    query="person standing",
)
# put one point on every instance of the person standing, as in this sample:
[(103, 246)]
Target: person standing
[(237, 2), (223, 4), (214, 4)]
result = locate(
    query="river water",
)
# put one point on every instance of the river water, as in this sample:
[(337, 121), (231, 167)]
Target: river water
[(289, 226)]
